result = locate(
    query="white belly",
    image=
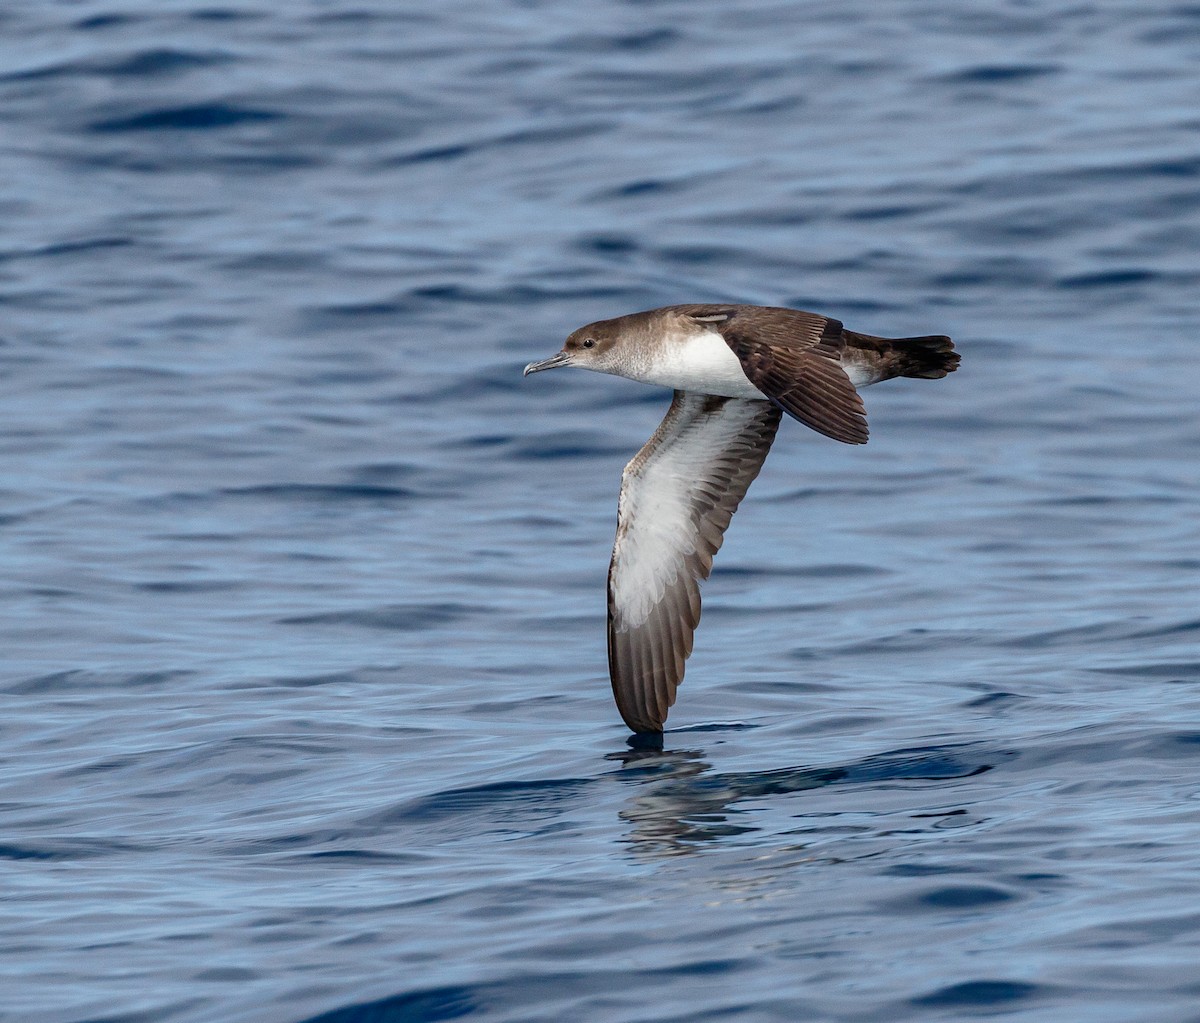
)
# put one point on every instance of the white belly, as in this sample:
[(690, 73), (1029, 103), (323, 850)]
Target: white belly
[(698, 362)]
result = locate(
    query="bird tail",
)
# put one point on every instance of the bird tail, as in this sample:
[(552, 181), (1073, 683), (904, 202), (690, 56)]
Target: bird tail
[(930, 357)]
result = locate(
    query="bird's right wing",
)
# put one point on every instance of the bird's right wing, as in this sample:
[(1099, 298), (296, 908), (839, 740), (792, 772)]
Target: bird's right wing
[(677, 498)]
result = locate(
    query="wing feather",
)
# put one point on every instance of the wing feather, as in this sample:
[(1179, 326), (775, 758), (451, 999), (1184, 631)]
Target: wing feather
[(806, 383), (677, 498), (794, 358)]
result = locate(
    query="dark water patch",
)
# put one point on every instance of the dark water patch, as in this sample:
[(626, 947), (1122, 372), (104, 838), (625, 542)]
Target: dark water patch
[(202, 538), (607, 244), (956, 897), (23, 852), (105, 21), (387, 474), (138, 159), (1107, 279), (628, 42), (1188, 27), (844, 490), (277, 262), (719, 609), (341, 378), (456, 293), (566, 446), (1141, 932), (1108, 500), (1098, 632), (1179, 167), (641, 187), (266, 162), (119, 375), (1108, 745), (168, 586), (60, 850), (321, 493), (480, 442), (988, 273), (392, 617), (81, 680), (782, 216), (498, 801), (924, 869), (151, 63), (307, 681), (421, 1006), (1177, 629), (979, 994), (925, 764), (551, 135), (1186, 738), (349, 17), (225, 14), (892, 211), (1118, 172), (908, 640), (82, 245), (354, 856), (533, 295), (431, 299), (192, 117), (847, 305), (1001, 73), (995, 700), (951, 818), (340, 316), (496, 144), (160, 62), (1170, 670), (431, 154), (699, 254)]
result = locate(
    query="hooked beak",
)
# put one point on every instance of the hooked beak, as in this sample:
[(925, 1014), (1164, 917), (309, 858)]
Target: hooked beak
[(556, 360)]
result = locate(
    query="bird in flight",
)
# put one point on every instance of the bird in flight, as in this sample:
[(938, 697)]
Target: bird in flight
[(735, 370)]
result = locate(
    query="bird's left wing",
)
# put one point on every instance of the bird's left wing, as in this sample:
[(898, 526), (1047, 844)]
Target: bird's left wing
[(677, 498)]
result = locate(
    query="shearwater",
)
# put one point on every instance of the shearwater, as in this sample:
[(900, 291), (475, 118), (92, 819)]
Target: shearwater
[(735, 370)]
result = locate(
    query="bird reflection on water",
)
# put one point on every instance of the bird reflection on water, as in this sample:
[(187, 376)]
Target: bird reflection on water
[(681, 803)]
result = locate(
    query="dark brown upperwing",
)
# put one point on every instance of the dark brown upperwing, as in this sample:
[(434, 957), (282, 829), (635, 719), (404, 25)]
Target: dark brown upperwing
[(792, 357)]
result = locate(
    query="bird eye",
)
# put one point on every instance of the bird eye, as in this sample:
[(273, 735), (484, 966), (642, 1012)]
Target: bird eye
[(589, 342)]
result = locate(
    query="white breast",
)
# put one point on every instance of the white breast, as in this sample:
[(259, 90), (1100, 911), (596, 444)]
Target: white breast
[(697, 362)]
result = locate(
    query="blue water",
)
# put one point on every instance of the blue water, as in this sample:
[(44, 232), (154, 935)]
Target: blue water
[(305, 706)]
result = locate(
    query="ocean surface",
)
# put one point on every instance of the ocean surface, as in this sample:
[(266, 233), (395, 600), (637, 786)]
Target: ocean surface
[(306, 716)]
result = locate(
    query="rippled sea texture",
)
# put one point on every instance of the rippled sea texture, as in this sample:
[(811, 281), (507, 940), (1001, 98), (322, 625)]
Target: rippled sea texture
[(306, 714)]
